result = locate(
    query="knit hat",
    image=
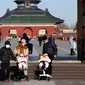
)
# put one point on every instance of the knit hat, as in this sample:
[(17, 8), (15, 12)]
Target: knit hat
[(7, 43)]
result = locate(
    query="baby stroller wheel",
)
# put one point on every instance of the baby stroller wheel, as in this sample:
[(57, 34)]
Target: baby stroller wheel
[(48, 78)]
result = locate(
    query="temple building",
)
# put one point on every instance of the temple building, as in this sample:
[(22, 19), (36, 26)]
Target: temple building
[(27, 18)]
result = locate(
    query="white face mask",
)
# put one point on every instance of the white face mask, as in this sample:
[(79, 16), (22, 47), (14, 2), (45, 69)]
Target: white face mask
[(7, 46)]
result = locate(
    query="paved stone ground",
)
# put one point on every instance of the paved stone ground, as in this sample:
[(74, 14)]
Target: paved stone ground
[(43, 82), (30, 82), (63, 47)]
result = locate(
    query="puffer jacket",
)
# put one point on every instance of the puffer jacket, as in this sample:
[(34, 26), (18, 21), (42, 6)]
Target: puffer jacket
[(6, 54)]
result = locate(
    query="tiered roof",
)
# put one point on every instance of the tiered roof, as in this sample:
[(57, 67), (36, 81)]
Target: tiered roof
[(31, 15)]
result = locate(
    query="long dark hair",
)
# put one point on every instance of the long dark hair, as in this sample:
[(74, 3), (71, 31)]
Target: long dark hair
[(24, 35)]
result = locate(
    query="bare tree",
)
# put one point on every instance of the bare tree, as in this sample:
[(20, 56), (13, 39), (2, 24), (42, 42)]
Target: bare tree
[(63, 26)]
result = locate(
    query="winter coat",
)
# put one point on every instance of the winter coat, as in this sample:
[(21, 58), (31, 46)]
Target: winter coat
[(75, 46), (71, 42), (21, 49), (49, 48), (6, 54), (25, 37)]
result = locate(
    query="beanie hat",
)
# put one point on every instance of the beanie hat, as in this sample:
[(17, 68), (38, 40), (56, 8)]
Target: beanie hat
[(7, 43)]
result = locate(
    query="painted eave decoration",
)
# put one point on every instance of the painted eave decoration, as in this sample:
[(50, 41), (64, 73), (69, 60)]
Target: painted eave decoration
[(27, 3)]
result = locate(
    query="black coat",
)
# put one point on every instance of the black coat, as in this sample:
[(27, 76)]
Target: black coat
[(50, 48), (6, 54)]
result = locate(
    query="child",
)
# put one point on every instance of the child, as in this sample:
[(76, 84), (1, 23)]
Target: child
[(41, 56), (44, 64), (46, 61), (45, 58), (22, 63)]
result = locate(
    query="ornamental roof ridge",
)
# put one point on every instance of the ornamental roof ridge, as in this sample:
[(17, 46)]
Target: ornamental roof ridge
[(6, 15), (31, 1), (34, 16), (28, 11), (29, 15), (53, 17)]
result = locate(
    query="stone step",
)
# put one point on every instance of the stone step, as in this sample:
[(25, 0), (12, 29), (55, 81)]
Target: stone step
[(64, 73), (68, 77), (62, 70)]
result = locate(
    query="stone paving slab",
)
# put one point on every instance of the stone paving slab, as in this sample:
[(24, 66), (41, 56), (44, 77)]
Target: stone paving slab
[(35, 82), (7, 83), (44, 82), (30, 82)]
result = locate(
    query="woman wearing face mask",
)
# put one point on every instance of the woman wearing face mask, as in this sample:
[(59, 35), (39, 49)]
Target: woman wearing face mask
[(5, 54), (22, 49)]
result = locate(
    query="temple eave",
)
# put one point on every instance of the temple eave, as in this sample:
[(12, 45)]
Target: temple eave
[(30, 15)]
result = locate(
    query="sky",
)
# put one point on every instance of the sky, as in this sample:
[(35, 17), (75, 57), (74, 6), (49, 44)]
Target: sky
[(64, 9)]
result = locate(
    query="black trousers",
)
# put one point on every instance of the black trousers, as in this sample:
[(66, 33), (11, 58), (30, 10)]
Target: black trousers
[(49, 70), (5, 67), (30, 46), (72, 51), (40, 42)]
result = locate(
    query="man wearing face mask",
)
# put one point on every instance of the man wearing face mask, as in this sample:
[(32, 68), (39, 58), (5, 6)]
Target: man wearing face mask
[(6, 55)]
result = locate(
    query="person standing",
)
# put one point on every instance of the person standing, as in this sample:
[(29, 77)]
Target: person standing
[(52, 40), (42, 32), (23, 49), (5, 54), (75, 46), (71, 42), (28, 44), (25, 36), (49, 48), (40, 40)]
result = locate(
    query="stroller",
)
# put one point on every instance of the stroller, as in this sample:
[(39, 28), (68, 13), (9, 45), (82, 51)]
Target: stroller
[(20, 72), (42, 72)]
